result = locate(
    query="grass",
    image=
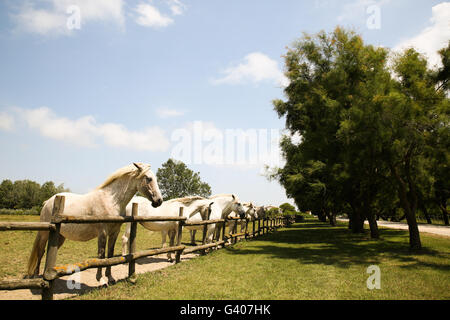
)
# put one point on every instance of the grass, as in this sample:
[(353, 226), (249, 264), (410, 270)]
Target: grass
[(16, 246), (307, 261), (310, 260)]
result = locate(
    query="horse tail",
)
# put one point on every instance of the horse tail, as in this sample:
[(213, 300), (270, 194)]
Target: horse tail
[(36, 253), (39, 245)]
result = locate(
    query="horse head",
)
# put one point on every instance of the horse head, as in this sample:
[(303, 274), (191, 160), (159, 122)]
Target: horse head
[(238, 207), (148, 184), (251, 211)]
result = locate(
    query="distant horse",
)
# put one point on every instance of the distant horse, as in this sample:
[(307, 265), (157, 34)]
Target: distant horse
[(194, 209), (109, 199), (229, 203), (250, 214), (261, 212)]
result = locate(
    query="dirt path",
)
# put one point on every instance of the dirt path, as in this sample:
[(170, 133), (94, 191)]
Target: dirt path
[(439, 230), (86, 281)]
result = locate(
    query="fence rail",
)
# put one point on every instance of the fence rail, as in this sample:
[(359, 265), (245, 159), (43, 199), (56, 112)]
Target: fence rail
[(53, 272)]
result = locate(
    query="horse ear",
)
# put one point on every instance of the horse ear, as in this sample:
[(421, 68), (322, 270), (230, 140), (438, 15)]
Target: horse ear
[(234, 198), (138, 166)]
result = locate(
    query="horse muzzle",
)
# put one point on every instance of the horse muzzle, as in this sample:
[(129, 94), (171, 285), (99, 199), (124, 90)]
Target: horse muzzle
[(157, 203)]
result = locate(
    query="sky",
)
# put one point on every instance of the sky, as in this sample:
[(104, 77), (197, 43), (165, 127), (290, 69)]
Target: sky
[(89, 86)]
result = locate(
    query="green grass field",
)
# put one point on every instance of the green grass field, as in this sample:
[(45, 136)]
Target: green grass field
[(16, 246), (310, 260), (306, 261)]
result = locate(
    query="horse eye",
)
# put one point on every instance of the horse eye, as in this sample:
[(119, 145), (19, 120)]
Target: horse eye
[(149, 179)]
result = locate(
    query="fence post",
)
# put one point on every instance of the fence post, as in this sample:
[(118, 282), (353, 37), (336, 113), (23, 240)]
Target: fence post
[(223, 230), (132, 245), (259, 227), (253, 228), (205, 230), (246, 228), (234, 240), (179, 236), (52, 249)]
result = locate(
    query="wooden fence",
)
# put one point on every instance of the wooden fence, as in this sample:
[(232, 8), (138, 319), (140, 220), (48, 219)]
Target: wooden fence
[(52, 272)]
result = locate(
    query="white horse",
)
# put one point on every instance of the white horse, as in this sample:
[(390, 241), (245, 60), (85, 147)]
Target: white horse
[(261, 212), (250, 214), (228, 203), (109, 199), (194, 209)]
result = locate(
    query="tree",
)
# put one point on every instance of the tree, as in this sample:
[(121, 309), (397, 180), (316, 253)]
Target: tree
[(176, 180), (287, 207), (26, 194), (6, 194), (368, 130), (330, 78)]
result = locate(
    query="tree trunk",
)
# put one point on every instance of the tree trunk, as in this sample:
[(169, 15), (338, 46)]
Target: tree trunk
[(331, 217), (409, 207), (357, 219), (374, 233), (322, 217), (423, 208), (443, 207)]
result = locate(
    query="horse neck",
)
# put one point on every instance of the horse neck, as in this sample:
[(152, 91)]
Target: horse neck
[(121, 191), (225, 204), (192, 209)]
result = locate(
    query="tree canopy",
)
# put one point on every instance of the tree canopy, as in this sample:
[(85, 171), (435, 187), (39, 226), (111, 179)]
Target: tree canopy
[(375, 134), (26, 194), (176, 180)]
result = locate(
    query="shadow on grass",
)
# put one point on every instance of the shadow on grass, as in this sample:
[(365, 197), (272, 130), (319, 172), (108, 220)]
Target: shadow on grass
[(319, 243)]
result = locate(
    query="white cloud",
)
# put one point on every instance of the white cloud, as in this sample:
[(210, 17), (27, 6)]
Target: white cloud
[(432, 38), (176, 7), (51, 19), (149, 16), (86, 132), (6, 121), (40, 21), (168, 113), (257, 67)]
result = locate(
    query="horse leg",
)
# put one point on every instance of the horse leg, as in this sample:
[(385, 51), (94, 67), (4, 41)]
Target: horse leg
[(193, 232), (164, 245), (101, 252), (61, 240), (111, 243), (172, 234), (210, 233), (125, 238)]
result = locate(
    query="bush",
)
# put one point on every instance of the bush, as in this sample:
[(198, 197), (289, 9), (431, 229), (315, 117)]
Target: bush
[(35, 211)]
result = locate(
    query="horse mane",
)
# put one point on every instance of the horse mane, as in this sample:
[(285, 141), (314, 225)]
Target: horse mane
[(186, 200), (129, 170), (221, 195)]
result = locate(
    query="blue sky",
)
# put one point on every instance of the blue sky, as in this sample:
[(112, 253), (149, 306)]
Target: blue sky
[(76, 104)]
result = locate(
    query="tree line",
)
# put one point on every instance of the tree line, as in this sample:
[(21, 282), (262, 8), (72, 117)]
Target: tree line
[(27, 194), (374, 127)]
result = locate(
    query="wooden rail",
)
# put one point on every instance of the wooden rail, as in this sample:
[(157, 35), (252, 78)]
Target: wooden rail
[(53, 272), (39, 226)]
